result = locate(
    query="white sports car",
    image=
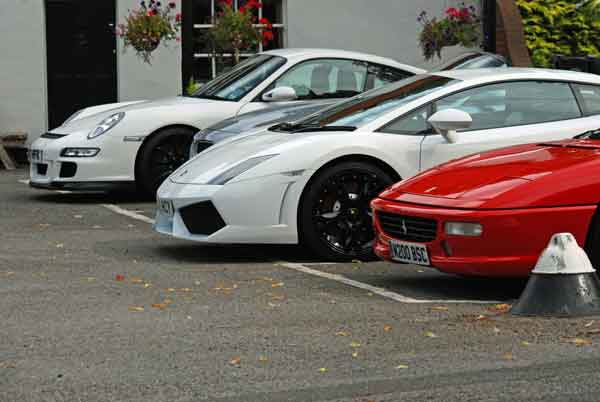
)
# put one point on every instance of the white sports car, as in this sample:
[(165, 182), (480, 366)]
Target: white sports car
[(142, 142), (311, 181)]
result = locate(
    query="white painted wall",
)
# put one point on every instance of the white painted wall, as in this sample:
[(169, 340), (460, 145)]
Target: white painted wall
[(23, 68), (383, 27), (137, 79)]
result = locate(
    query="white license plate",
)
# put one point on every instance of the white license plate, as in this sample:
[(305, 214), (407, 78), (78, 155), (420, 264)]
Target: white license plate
[(166, 207), (411, 253), (37, 155)]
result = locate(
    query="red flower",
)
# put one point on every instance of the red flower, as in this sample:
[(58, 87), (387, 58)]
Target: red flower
[(120, 278), (453, 12), (464, 13), (178, 17), (172, 4), (268, 36), (226, 3), (242, 9)]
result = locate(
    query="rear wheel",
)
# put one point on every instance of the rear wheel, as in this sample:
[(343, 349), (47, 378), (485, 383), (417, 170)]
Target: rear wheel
[(161, 156), (335, 218)]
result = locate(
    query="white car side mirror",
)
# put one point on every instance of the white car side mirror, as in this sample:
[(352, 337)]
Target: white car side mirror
[(280, 94), (447, 121)]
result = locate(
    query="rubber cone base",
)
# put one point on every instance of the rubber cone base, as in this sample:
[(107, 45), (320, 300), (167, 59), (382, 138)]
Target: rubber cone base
[(562, 295)]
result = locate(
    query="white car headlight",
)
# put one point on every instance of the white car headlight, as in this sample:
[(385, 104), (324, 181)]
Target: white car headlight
[(106, 125), (463, 229), (238, 169)]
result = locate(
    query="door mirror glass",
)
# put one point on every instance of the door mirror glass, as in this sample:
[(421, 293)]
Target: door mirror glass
[(447, 122), (280, 94)]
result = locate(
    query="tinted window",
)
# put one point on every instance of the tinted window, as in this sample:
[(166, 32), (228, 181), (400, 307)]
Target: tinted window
[(590, 95), (381, 75), (514, 103), (243, 78), (413, 123), (325, 78)]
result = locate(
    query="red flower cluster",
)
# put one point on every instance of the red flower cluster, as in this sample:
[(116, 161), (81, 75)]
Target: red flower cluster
[(459, 13)]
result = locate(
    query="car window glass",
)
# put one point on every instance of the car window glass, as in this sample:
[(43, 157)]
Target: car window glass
[(380, 75), (414, 122), (590, 95), (514, 103), (325, 78)]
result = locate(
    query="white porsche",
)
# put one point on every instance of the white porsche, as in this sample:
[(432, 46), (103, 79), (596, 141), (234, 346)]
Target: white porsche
[(141, 143), (311, 181)]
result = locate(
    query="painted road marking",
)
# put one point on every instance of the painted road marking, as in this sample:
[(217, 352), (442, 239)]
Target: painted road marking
[(374, 289), (128, 213), (334, 277)]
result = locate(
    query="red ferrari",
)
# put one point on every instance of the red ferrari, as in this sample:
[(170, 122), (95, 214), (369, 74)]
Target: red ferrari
[(492, 214)]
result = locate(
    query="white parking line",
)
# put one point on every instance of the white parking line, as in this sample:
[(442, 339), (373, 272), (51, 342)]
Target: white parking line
[(374, 289), (128, 213), (334, 277)]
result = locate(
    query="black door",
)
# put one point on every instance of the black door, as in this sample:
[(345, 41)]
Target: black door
[(82, 60)]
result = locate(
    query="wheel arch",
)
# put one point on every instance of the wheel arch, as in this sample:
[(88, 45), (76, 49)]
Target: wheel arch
[(152, 135)]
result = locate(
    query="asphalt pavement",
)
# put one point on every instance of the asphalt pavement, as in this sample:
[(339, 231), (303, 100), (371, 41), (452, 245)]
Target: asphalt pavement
[(95, 306)]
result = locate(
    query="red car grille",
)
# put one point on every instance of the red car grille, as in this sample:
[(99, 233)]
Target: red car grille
[(409, 228)]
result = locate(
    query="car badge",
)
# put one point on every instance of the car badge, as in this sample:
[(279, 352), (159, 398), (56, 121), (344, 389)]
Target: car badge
[(404, 228)]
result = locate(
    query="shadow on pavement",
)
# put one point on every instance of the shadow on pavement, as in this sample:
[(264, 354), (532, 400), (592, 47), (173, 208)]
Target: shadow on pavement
[(91, 198)]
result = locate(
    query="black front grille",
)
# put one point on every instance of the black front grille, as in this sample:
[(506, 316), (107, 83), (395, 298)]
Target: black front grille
[(42, 168), (68, 169), (202, 145), (52, 136), (202, 218), (409, 228)]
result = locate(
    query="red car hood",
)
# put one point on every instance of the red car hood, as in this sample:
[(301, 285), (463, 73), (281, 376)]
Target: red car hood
[(534, 175)]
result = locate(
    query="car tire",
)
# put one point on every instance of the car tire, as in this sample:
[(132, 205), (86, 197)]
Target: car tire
[(334, 217), (592, 242), (160, 156)]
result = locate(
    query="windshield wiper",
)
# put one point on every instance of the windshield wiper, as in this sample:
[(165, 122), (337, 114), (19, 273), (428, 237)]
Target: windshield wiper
[(326, 128)]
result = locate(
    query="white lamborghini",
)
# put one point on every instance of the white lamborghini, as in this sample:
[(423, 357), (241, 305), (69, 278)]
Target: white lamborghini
[(311, 181), (142, 142)]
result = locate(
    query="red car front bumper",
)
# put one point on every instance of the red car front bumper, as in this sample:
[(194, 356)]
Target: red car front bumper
[(511, 242)]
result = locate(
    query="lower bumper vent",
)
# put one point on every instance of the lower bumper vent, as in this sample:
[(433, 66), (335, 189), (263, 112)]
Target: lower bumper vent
[(202, 218)]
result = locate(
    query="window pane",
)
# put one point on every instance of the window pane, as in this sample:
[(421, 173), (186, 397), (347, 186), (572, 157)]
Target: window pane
[(202, 70), (412, 123), (326, 78), (273, 11), (380, 76), (202, 11), (202, 43), (591, 97), (514, 103)]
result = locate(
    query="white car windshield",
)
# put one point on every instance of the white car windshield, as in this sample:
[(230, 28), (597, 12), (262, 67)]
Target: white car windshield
[(364, 108), (243, 78)]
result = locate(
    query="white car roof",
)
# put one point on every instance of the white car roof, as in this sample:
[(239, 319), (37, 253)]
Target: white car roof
[(493, 74), (290, 53)]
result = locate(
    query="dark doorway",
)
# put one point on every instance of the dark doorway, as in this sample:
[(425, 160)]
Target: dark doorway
[(82, 59)]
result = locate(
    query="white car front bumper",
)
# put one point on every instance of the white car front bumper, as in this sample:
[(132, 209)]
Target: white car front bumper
[(251, 211)]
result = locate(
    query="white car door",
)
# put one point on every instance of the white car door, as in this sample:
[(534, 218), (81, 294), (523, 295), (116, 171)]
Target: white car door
[(506, 114)]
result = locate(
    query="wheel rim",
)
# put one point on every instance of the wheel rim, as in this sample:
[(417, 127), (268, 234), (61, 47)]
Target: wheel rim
[(341, 214), (168, 156)]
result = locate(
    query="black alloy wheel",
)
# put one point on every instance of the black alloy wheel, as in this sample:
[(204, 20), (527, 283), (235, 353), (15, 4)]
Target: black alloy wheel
[(161, 156), (335, 215)]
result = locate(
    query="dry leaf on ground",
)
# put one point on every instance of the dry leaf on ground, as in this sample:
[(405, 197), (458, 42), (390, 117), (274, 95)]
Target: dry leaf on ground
[(277, 285), (236, 361), (119, 278), (136, 280), (355, 344), (263, 359), (322, 370), (401, 366), (136, 308), (580, 341), (160, 306), (342, 333), (355, 354), (430, 334), (387, 328), (525, 343), (500, 308), (439, 308), (508, 356)]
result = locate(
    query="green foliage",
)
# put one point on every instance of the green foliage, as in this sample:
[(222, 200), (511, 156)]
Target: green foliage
[(192, 86), (558, 27)]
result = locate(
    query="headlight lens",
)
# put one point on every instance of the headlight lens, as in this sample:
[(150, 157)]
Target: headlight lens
[(463, 229), (239, 169), (79, 152), (106, 125)]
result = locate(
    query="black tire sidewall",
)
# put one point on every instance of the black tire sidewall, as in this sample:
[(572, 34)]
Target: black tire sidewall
[(144, 181), (592, 242), (307, 235)]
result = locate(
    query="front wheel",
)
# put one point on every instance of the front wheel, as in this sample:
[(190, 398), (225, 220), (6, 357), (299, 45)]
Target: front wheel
[(161, 156), (335, 218)]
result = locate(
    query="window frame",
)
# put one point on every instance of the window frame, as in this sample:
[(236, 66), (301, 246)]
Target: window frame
[(433, 101)]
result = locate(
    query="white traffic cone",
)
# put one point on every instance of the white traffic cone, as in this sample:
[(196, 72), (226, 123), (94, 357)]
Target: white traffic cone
[(563, 282)]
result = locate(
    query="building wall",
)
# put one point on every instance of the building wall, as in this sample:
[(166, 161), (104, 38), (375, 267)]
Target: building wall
[(23, 68), (383, 27)]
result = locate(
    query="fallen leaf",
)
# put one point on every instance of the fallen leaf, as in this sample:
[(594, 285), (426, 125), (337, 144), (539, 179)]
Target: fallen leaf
[(136, 308), (273, 305), (167, 301), (189, 317), (77, 216), (120, 278), (90, 279), (137, 280), (430, 334), (581, 341), (147, 285), (170, 289), (507, 356), (185, 290), (96, 227), (342, 333), (401, 366), (355, 344), (135, 261), (481, 317), (236, 361), (387, 328), (130, 226), (525, 343), (263, 359), (60, 245), (276, 296), (357, 261), (277, 285), (439, 308), (589, 324), (322, 370), (496, 330), (500, 308), (197, 283), (44, 225), (160, 306), (355, 354)]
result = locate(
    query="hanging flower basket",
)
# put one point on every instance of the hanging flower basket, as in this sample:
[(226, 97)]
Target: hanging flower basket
[(460, 26), (145, 28)]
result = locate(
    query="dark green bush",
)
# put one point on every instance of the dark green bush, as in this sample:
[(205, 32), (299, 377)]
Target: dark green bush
[(558, 27)]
